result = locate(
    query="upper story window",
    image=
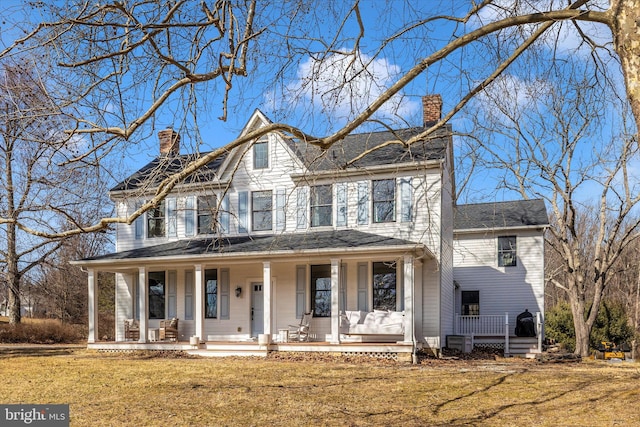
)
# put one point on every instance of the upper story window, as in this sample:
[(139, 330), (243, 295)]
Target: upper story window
[(261, 154), (321, 290), (207, 207), (321, 205), (384, 286), (156, 221), (507, 251), (384, 200), (261, 210)]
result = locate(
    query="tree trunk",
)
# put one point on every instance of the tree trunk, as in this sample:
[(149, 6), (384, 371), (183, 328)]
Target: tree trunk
[(626, 38), (13, 276)]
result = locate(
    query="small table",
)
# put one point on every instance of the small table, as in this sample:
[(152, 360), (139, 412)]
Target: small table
[(154, 334), (283, 335)]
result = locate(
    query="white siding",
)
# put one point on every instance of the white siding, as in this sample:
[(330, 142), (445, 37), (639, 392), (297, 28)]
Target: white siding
[(502, 289)]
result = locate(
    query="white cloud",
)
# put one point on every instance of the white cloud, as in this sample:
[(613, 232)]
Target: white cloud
[(343, 85)]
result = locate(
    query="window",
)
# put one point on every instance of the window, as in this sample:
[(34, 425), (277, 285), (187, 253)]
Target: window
[(211, 293), (156, 294), (321, 205), (384, 286), (507, 251), (156, 221), (384, 200), (261, 154), (321, 290), (207, 207), (470, 303), (261, 210)]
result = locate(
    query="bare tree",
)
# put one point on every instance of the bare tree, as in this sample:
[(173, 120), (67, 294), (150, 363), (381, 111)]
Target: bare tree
[(38, 186), (561, 141)]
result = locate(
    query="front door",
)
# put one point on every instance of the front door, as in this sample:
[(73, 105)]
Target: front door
[(257, 309)]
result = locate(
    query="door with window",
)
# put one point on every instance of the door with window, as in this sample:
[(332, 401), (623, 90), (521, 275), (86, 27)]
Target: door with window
[(257, 309)]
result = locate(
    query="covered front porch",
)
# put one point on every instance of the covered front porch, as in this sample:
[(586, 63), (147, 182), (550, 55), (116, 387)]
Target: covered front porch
[(241, 302)]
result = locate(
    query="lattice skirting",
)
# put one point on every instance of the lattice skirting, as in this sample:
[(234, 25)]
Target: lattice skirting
[(374, 355), (489, 345)]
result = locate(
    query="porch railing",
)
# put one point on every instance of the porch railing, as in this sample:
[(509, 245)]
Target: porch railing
[(481, 325)]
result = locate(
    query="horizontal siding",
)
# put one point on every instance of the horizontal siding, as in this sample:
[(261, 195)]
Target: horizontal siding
[(502, 289)]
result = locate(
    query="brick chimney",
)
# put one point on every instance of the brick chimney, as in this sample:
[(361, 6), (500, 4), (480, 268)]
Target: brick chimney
[(169, 142), (431, 108)]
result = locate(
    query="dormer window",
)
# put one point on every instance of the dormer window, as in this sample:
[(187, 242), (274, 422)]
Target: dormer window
[(261, 154), (156, 221)]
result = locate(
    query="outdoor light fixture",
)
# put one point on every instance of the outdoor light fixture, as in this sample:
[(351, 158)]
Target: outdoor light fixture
[(238, 291)]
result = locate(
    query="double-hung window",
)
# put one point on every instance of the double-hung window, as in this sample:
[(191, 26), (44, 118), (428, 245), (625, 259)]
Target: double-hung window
[(156, 220), (507, 251), (384, 286), (211, 293), (207, 208), (261, 210), (321, 290), (157, 289), (470, 303), (261, 154), (321, 205), (384, 200)]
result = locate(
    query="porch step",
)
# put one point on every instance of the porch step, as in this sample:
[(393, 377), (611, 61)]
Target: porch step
[(526, 347), (217, 349)]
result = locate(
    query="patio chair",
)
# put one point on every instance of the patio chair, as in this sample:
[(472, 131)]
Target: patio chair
[(301, 332), (131, 329), (169, 329)]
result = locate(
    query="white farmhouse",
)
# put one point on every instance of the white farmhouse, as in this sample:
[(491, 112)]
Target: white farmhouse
[(364, 237)]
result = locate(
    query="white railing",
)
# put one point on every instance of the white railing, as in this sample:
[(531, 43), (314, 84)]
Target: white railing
[(482, 325)]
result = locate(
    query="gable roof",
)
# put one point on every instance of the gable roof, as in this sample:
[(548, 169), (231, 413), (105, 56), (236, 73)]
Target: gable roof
[(300, 242), (511, 214), (433, 147)]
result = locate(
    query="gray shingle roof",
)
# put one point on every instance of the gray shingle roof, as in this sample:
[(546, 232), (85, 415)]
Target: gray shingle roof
[(520, 213), (161, 167), (270, 243), (432, 148)]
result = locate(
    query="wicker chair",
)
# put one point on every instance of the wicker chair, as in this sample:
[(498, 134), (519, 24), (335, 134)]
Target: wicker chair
[(169, 329), (131, 329)]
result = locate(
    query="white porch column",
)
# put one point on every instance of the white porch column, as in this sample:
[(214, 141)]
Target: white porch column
[(143, 304), (409, 315), (335, 301), (199, 296), (93, 306), (266, 281)]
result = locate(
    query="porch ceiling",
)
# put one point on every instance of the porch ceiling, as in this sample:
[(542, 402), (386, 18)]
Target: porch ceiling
[(343, 242)]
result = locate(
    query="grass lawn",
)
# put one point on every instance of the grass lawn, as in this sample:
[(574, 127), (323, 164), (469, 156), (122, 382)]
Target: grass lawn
[(138, 390)]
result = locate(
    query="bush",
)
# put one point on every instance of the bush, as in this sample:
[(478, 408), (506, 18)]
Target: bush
[(611, 325), (558, 325), (41, 332)]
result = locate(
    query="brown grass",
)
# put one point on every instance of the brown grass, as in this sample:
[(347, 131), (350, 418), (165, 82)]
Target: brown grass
[(136, 389)]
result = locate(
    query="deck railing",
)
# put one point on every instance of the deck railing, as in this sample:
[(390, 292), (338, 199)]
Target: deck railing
[(481, 325)]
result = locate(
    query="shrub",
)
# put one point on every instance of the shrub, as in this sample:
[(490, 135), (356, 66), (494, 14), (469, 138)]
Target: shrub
[(558, 325), (42, 332), (611, 325)]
